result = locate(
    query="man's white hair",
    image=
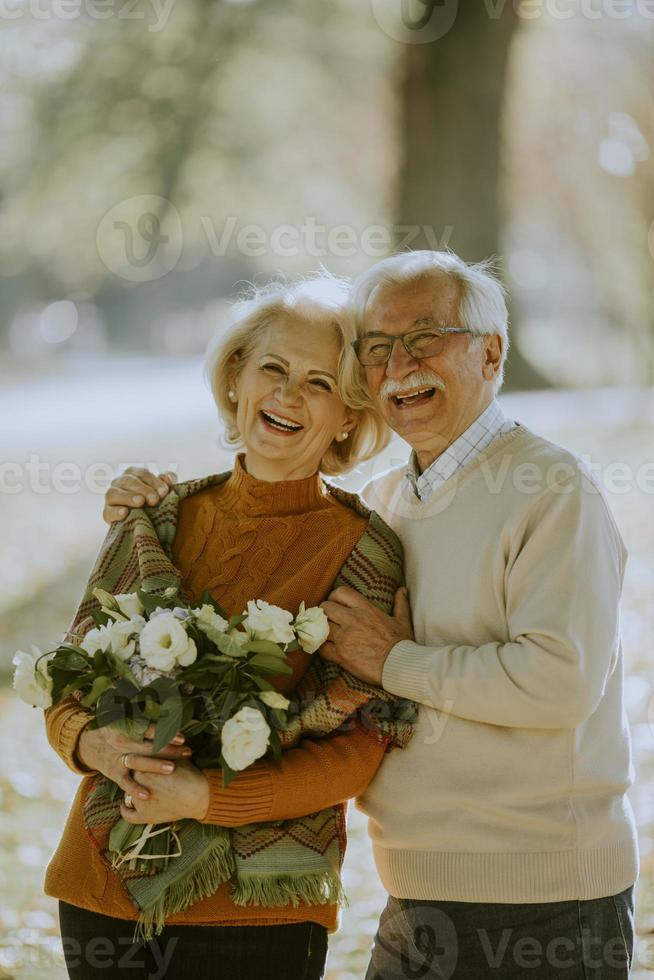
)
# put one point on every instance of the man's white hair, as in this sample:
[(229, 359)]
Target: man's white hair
[(482, 306)]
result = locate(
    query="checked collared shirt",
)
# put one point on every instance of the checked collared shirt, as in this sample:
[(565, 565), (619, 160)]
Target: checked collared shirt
[(491, 423)]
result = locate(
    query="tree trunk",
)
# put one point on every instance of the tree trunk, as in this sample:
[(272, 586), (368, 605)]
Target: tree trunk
[(453, 95)]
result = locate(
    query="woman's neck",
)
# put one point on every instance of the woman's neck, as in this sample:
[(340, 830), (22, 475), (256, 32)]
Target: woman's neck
[(275, 471)]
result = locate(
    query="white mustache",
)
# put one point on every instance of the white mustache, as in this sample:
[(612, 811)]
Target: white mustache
[(419, 379)]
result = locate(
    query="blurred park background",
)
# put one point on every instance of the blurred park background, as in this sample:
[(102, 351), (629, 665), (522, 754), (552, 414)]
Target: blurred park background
[(158, 154)]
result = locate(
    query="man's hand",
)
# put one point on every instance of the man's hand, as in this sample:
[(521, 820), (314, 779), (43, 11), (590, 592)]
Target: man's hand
[(134, 488), (361, 636), (181, 794)]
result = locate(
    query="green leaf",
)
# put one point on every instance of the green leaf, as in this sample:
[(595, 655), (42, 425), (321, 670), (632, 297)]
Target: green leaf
[(71, 647), (229, 645), (262, 684), (164, 687), (62, 693), (228, 774), (133, 727), (265, 646), (99, 617), (275, 745), (112, 707), (270, 665), (70, 660), (123, 835), (169, 723), (100, 684), (152, 709), (106, 599), (120, 668)]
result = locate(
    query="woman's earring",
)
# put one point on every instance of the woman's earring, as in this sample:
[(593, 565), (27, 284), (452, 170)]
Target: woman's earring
[(231, 395), (344, 436)]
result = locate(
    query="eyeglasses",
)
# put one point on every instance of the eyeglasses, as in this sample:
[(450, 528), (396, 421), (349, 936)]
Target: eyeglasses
[(376, 348)]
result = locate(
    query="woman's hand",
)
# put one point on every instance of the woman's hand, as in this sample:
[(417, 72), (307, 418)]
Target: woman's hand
[(183, 794), (132, 489), (104, 749)]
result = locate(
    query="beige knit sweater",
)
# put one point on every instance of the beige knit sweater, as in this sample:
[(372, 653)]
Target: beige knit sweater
[(513, 786)]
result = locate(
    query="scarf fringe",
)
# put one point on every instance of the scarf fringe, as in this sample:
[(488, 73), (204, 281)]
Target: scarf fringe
[(213, 870), (321, 888)]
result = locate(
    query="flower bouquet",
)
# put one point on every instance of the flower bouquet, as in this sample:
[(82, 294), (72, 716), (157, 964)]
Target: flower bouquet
[(157, 660)]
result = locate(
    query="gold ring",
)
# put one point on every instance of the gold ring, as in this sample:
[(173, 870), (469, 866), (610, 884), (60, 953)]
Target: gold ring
[(124, 759), (129, 802)]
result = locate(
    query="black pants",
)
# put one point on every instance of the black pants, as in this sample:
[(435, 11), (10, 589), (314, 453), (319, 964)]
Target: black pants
[(101, 946), (574, 940)]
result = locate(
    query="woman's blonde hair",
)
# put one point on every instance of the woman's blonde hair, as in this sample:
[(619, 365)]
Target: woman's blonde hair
[(322, 302)]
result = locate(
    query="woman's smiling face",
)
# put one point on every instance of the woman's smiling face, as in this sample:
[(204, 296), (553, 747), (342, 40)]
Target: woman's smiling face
[(289, 409)]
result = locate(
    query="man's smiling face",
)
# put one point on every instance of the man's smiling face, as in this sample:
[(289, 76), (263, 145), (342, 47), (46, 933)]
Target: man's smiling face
[(451, 389)]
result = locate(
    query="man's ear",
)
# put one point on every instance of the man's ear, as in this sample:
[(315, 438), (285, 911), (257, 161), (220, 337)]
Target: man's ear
[(492, 356)]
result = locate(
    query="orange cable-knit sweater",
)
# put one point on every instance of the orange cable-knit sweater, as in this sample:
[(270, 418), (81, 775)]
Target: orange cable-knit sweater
[(243, 539)]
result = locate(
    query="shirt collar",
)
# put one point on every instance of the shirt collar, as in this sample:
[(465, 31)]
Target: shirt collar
[(465, 447)]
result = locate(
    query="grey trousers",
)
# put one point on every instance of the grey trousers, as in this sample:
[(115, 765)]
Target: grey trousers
[(573, 940)]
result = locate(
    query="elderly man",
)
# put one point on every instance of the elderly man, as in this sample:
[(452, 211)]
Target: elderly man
[(503, 833)]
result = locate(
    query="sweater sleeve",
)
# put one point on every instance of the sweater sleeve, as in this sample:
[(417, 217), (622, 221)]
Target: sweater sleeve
[(562, 591), (64, 723), (309, 777)]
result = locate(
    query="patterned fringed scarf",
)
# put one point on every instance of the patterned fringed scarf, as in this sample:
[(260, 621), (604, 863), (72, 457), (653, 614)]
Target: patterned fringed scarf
[(269, 864)]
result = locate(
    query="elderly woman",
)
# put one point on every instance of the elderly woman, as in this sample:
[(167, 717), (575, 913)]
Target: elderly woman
[(271, 528)]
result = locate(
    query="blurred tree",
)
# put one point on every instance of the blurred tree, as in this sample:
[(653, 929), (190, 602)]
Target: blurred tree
[(453, 99)]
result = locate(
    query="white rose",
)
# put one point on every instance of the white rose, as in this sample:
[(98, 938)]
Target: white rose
[(129, 604), (209, 621), (164, 643), (97, 639), (122, 636), (268, 622), (32, 682), (274, 699), (244, 738), (312, 628)]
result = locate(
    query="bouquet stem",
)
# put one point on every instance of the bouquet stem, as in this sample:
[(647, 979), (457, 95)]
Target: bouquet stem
[(135, 855)]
